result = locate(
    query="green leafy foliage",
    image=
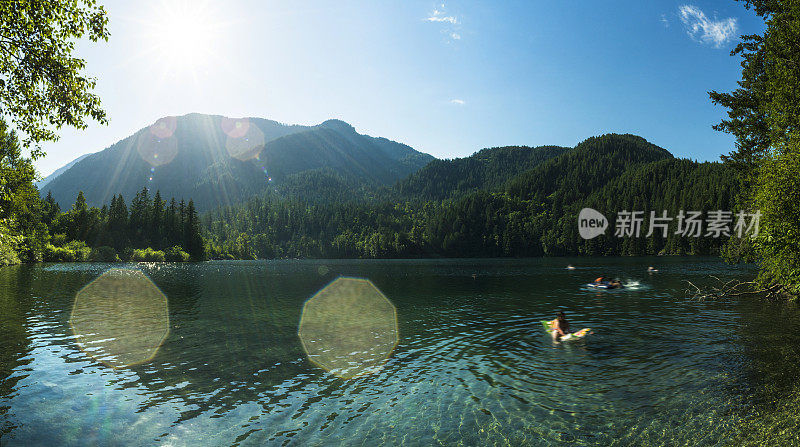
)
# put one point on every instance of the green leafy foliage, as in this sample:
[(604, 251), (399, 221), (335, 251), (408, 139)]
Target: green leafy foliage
[(103, 254), (19, 203), (42, 87), (176, 254), (777, 196), (74, 251), (764, 116), (8, 245), (148, 255)]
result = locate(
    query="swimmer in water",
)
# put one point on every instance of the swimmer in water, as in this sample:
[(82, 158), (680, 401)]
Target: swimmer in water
[(560, 326)]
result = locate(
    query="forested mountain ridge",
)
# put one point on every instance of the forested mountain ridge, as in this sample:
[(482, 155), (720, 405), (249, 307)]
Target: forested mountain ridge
[(670, 184), (487, 169), (533, 213), (585, 168), (218, 161)]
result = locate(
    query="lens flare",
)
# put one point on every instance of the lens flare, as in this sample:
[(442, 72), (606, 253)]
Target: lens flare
[(120, 319), (349, 328), (245, 140), (164, 127), (235, 128), (158, 145)]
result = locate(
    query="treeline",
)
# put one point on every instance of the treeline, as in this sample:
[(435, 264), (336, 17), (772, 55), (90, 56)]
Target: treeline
[(480, 224), (148, 230)]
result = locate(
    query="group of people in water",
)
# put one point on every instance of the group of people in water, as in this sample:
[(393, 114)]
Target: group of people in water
[(560, 326)]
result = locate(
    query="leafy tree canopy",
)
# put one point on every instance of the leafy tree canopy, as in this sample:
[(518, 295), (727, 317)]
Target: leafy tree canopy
[(42, 85), (764, 116)]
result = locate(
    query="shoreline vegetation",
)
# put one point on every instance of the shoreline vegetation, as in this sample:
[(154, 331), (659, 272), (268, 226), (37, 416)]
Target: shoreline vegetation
[(151, 230)]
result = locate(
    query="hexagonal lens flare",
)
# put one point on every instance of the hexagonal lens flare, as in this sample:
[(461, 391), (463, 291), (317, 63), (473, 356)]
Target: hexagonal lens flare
[(164, 127), (121, 318), (158, 146), (245, 140), (349, 328)]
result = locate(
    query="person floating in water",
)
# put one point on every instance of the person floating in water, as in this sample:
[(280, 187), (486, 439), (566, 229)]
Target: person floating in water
[(560, 326), (570, 267), (609, 282), (651, 269)]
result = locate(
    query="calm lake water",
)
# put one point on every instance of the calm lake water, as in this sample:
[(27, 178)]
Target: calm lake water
[(472, 365)]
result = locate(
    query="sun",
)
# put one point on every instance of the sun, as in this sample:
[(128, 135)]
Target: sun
[(183, 38)]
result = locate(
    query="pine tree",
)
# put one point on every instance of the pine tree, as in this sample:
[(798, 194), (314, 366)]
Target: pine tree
[(193, 241), (156, 222), (117, 224)]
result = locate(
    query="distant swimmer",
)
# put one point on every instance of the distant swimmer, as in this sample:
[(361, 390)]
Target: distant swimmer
[(651, 269), (570, 267)]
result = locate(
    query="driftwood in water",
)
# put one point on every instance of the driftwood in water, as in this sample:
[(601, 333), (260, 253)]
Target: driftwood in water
[(732, 289)]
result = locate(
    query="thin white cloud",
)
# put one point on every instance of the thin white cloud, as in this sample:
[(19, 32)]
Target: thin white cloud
[(458, 102), (664, 20), (699, 27), (438, 16), (449, 23)]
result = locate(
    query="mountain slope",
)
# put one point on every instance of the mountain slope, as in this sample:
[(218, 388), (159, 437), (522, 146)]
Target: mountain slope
[(487, 169), (43, 182), (533, 214), (219, 161), (590, 165)]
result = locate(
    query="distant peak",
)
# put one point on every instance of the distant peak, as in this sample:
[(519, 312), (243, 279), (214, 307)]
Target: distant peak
[(338, 125)]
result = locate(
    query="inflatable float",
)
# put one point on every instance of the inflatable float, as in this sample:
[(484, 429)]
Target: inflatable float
[(604, 285), (548, 327)]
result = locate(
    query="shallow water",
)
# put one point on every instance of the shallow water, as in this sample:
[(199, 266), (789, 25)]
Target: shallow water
[(472, 365)]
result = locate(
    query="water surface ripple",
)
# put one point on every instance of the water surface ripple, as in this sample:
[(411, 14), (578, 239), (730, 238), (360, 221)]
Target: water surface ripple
[(472, 367)]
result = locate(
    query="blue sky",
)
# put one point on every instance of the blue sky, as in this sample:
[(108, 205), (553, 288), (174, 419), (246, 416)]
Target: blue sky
[(447, 78)]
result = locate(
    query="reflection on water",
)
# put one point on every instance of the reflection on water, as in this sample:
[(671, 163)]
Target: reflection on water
[(120, 318), (349, 328), (472, 365)]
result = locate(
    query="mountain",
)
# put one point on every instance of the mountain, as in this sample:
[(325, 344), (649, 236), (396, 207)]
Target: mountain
[(43, 182), (586, 168), (498, 202), (219, 161), (540, 173), (488, 169)]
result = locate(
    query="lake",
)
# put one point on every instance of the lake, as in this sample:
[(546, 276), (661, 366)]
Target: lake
[(211, 355)]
